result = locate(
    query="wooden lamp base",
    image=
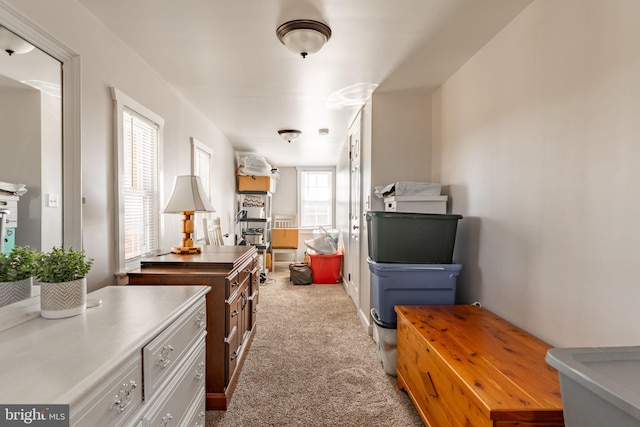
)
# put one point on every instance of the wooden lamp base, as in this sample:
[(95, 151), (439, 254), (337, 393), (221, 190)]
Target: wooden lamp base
[(186, 243), (185, 250)]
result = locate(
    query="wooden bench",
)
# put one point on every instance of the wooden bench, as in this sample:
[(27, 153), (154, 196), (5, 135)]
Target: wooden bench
[(464, 366)]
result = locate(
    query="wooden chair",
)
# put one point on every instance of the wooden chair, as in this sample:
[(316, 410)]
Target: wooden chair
[(284, 221), (212, 232)]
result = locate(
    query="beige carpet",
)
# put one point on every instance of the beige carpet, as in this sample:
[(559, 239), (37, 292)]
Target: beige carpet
[(312, 364)]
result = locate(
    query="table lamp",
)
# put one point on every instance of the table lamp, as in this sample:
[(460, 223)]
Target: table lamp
[(187, 198)]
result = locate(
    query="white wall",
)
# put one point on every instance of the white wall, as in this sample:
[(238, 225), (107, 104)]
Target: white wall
[(401, 138), (106, 62), (20, 127), (537, 137)]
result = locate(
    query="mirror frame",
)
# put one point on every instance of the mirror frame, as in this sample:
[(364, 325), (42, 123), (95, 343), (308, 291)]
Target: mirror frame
[(11, 19)]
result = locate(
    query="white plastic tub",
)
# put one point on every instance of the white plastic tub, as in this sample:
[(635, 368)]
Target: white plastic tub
[(386, 338)]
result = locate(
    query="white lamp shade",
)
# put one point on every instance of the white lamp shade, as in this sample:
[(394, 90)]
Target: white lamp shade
[(304, 41), (188, 195)]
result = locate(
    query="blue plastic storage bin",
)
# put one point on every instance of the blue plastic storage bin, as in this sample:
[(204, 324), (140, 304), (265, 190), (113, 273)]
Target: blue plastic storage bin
[(411, 284)]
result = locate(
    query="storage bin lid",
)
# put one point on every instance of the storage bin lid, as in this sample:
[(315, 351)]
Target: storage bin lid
[(380, 323), (382, 214), (389, 267)]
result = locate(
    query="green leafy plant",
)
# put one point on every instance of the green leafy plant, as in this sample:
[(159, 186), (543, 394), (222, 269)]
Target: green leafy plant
[(60, 265), (20, 264)]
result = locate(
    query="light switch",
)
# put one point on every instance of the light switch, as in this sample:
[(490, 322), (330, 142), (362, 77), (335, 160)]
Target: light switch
[(52, 201)]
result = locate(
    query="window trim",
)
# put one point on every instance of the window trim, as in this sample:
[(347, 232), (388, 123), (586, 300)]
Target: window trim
[(299, 171), (195, 147), (120, 102)]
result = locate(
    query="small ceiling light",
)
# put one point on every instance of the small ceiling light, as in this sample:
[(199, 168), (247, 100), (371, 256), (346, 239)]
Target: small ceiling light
[(289, 134), (323, 131), (11, 43), (303, 36)]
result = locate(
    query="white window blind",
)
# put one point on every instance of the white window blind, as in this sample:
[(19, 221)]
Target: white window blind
[(141, 204), (316, 198)]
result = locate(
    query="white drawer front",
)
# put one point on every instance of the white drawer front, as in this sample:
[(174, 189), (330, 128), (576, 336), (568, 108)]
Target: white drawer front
[(113, 403), (166, 352), (174, 404), (197, 412)]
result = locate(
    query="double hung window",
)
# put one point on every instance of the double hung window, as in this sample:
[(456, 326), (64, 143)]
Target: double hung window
[(316, 197), (138, 148)]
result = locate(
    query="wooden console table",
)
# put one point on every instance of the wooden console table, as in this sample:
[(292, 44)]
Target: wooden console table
[(232, 274), (462, 365)]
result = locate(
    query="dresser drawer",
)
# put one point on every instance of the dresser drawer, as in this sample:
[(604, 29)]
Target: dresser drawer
[(253, 307), (233, 339), (172, 407), (238, 278), (166, 352), (115, 401), (196, 414)]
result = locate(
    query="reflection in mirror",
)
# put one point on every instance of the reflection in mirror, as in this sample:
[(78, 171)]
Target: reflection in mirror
[(31, 142)]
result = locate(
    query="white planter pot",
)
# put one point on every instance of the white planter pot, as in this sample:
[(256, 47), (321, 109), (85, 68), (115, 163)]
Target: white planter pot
[(59, 300), (11, 292)]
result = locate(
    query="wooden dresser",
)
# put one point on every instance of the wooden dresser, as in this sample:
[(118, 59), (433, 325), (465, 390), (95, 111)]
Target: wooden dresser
[(232, 274), (137, 359), (464, 366)]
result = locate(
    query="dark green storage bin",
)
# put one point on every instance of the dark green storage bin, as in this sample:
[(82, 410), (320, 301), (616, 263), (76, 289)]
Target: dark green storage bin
[(412, 238)]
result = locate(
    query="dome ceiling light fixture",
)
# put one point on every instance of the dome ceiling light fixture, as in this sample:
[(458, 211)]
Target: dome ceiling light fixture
[(303, 36), (289, 134), (11, 43)]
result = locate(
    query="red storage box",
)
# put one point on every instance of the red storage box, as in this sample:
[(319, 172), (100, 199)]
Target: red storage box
[(325, 269)]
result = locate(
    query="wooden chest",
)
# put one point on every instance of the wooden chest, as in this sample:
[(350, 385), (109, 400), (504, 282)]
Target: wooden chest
[(464, 366)]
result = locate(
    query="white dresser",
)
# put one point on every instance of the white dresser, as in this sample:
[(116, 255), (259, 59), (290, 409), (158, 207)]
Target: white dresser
[(138, 359)]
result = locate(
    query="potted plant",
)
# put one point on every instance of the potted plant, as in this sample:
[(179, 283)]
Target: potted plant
[(63, 287), (16, 274)]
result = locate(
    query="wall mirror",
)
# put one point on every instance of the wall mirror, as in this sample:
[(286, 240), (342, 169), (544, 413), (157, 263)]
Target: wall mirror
[(31, 141), (45, 156)]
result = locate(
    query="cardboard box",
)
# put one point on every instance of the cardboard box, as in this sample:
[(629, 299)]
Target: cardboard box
[(256, 183), (284, 238)]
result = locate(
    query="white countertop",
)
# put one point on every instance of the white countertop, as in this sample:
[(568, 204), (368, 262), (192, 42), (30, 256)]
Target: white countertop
[(55, 361)]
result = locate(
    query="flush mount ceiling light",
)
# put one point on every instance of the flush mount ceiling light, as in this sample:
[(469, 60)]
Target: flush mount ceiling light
[(289, 134), (11, 43), (303, 36)]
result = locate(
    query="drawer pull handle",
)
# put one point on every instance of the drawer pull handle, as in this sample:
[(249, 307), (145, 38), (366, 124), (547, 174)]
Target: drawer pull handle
[(166, 420), (200, 371), (201, 316), (235, 284), (244, 300), (234, 313), (200, 421), (124, 396), (236, 353), (163, 360)]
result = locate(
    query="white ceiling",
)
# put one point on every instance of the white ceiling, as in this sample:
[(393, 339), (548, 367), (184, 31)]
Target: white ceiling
[(224, 57)]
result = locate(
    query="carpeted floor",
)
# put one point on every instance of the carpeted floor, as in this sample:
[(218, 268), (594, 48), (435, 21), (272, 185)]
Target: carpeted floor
[(312, 364)]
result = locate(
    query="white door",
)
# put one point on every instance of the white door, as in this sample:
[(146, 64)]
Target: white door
[(353, 279)]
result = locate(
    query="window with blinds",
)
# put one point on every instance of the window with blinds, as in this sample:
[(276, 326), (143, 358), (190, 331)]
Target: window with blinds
[(316, 198), (138, 147), (141, 204)]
